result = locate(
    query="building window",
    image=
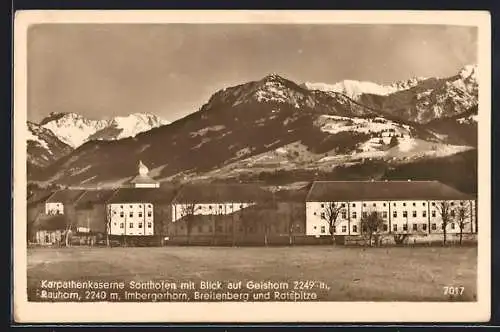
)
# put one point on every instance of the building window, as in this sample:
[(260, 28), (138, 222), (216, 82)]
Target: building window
[(344, 215), (365, 214), (433, 227), (122, 225), (199, 207), (130, 206), (210, 207), (414, 214), (355, 228), (140, 206), (452, 203), (131, 214), (315, 227), (149, 224), (404, 204), (121, 214), (114, 212), (353, 204), (220, 206), (405, 214), (414, 204), (363, 228), (140, 225), (393, 204), (452, 213), (385, 227), (140, 214), (344, 229), (394, 227), (384, 204), (452, 225), (131, 225), (395, 214), (374, 204), (461, 203), (322, 205), (149, 205), (434, 214), (322, 215), (384, 214), (121, 206), (323, 229), (424, 227), (364, 204), (424, 213), (423, 204), (433, 203), (343, 205), (415, 227), (405, 227), (149, 213), (241, 206)]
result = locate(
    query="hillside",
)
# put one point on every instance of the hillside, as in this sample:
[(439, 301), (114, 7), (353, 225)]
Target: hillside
[(244, 130)]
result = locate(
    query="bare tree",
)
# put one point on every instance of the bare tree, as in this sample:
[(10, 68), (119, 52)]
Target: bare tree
[(331, 212), (218, 217), (445, 212), (187, 214), (371, 225), (462, 217), (109, 215)]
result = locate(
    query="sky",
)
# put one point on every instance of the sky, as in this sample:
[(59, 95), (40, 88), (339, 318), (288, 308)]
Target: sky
[(171, 70)]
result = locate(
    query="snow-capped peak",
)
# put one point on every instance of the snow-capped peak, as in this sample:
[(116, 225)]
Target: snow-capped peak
[(74, 129), (352, 88), (469, 72)]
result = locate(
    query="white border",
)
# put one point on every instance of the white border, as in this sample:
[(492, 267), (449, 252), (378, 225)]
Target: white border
[(29, 312)]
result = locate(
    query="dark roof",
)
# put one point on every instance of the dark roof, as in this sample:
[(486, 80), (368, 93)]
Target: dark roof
[(382, 190), (92, 197), (208, 192), (66, 196), (163, 194), (39, 197), (51, 222), (142, 179)]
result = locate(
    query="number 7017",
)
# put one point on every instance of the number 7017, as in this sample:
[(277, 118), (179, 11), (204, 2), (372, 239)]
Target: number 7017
[(453, 290)]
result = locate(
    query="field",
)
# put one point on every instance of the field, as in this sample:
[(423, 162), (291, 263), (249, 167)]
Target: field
[(351, 274)]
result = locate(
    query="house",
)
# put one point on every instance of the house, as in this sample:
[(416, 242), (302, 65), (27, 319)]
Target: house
[(61, 200), (35, 209), (407, 207), (50, 229), (139, 211)]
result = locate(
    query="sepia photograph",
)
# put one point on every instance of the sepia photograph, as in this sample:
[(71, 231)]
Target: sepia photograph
[(277, 166)]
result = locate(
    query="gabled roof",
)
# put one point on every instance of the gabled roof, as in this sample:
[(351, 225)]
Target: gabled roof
[(209, 193), (66, 196), (330, 191), (162, 194), (39, 197), (51, 222), (93, 197)]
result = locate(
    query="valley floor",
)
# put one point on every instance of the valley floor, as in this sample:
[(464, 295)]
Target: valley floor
[(352, 274)]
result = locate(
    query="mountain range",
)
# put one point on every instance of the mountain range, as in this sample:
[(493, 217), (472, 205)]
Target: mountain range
[(276, 125)]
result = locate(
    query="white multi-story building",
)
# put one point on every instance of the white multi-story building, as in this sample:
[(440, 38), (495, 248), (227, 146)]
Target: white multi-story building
[(407, 207), (131, 218)]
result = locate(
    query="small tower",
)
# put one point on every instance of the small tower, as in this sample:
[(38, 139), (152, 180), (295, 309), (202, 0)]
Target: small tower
[(143, 180)]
